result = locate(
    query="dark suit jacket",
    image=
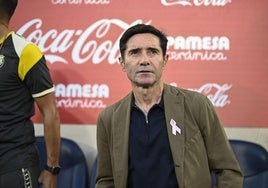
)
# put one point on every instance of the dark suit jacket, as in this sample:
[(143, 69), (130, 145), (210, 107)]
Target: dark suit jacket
[(200, 147)]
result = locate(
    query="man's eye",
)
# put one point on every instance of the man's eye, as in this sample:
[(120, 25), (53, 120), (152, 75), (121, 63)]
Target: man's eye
[(153, 51), (133, 52)]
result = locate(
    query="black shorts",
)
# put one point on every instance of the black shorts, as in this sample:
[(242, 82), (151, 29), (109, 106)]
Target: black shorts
[(23, 178)]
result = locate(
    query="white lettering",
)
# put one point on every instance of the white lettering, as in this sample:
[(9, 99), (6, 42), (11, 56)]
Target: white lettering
[(80, 103), (216, 93), (96, 2), (93, 44), (211, 2), (195, 2), (175, 2), (194, 56), (199, 43), (79, 2), (86, 91)]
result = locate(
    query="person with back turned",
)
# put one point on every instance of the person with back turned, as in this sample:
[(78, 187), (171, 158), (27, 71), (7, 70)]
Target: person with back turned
[(24, 81), (160, 136)]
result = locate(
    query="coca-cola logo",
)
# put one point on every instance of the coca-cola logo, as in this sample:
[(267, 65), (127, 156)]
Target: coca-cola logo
[(216, 93), (85, 44), (195, 2)]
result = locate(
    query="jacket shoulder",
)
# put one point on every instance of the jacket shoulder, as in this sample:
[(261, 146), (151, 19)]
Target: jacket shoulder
[(186, 93), (118, 106)]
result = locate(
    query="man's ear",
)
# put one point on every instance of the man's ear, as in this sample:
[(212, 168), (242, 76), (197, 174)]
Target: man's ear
[(122, 63), (165, 59)]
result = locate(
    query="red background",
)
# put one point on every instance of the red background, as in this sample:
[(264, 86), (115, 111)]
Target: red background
[(245, 68)]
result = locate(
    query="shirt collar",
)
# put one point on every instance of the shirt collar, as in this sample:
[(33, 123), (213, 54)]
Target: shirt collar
[(160, 104)]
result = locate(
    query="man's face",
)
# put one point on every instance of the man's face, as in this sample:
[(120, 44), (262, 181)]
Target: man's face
[(144, 61)]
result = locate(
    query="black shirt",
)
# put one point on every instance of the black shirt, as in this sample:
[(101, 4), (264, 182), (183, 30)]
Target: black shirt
[(150, 159), (23, 76)]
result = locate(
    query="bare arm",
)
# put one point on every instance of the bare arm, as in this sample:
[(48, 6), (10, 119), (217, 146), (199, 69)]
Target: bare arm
[(51, 119)]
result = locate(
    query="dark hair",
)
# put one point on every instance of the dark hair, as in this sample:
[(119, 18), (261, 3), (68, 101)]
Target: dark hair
[(142, 28), (7, 8)]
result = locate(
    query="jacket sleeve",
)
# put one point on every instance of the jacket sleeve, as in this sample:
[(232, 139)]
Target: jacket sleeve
[(104, 178), (221, 158)]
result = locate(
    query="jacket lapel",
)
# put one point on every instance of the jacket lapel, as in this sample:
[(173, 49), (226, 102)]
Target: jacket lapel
[(174, 111), (121, 120)]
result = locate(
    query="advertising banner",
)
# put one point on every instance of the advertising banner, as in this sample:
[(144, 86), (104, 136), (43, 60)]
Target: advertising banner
[(216, 47)]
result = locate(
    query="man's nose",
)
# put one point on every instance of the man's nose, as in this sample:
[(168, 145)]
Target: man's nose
[(145, 60)]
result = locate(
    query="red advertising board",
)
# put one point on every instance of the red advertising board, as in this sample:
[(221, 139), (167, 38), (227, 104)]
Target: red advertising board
[(216, 47)]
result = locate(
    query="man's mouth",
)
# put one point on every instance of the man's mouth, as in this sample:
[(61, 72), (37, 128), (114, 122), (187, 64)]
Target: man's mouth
[(144, 71)]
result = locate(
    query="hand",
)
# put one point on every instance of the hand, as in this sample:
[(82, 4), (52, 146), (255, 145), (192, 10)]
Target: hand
[(47, 179)]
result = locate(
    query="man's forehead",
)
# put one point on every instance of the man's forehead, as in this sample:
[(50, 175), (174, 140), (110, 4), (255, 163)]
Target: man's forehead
[(143, 37), (143, 40)]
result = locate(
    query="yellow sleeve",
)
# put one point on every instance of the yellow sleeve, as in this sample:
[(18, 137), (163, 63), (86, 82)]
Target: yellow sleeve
[(30, 55)]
